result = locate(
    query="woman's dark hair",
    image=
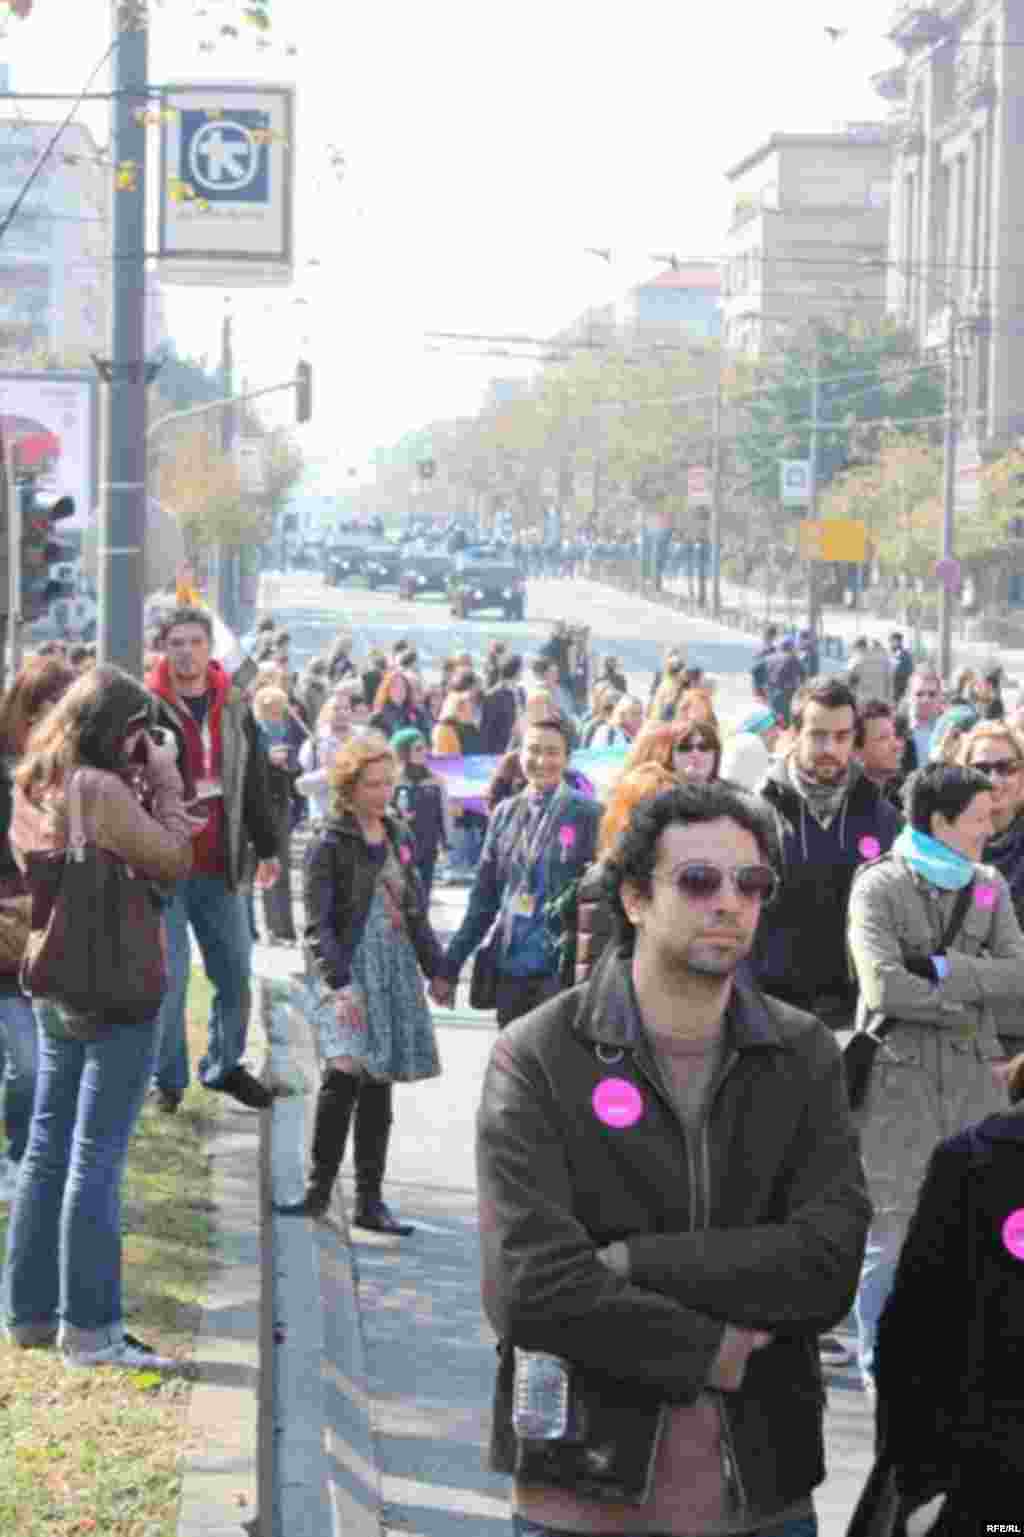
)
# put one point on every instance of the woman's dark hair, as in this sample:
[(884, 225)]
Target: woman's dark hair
[(40, 682), (941, 789), (511, 668), (636, 852), (829, 693), (86, 728)]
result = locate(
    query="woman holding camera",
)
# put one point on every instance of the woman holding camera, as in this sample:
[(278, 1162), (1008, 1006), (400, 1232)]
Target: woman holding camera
[(62, 1280)]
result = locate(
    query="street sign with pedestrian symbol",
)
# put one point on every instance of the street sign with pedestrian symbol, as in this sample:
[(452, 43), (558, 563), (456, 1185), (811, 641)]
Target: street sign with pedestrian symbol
[(226, 184)]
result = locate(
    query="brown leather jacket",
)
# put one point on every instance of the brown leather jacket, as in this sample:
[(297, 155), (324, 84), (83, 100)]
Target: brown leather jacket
[(759, 1221), (157, 844)]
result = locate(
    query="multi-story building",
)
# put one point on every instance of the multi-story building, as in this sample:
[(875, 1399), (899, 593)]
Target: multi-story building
[(55, 265), (679, 303), (808, 233), (956, 241), (54, 260)]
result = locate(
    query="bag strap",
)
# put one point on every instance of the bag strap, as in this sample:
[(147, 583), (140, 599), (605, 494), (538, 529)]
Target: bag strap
[(76, 818), (957, 916)]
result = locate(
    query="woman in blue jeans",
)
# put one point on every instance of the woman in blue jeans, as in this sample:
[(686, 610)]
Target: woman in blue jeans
[(39, 683), (62, 1276)]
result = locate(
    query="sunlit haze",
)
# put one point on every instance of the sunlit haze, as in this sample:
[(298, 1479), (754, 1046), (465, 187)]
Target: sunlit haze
[(484, 148)]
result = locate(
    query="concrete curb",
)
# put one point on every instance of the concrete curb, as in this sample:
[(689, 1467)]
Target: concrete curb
[(220, 1489), (325, 1465)]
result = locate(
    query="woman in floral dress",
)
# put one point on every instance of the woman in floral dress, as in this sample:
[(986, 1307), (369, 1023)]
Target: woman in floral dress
[(367, 937)]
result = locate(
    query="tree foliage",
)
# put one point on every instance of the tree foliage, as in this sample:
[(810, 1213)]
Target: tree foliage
[(868, 379)]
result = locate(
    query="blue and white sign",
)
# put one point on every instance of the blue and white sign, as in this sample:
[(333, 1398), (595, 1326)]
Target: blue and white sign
[(226, 184)]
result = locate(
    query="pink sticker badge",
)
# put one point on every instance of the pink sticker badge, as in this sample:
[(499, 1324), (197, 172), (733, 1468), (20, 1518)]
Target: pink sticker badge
[(869, 848), (567, 838), (617, 1102), (404, 854), (1013, 1233), (985, 896)]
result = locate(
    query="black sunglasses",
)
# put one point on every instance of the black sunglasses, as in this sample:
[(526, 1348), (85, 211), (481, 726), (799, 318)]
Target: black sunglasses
[(701, 881), (1002, 768), (693, 744)]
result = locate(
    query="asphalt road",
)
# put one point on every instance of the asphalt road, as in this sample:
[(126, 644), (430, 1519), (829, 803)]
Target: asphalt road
[(635, 630)]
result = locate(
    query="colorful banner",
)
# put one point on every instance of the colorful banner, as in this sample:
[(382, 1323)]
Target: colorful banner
[(466, 779)]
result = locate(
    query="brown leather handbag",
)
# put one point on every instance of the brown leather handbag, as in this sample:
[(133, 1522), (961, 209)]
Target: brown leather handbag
[(94, 949)]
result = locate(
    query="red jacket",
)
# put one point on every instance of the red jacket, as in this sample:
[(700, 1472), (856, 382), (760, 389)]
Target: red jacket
[(209, 847)]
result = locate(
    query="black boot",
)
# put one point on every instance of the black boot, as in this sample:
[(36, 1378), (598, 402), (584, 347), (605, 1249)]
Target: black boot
[(373, 1133), (338, 1094)]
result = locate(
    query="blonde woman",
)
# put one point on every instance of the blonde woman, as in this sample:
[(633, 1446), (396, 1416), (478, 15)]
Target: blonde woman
[(457, 735), (367, 938)]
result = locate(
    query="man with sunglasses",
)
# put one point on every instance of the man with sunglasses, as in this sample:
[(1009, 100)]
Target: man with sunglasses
[(671, 1208)]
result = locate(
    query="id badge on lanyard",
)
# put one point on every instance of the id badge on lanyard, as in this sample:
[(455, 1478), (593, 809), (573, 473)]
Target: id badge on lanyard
[(208, 785)]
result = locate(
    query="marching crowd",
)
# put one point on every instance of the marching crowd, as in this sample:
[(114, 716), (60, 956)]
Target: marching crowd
[(760, 1010)]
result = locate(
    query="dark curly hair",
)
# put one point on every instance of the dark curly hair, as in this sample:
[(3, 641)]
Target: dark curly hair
[(636, 852)]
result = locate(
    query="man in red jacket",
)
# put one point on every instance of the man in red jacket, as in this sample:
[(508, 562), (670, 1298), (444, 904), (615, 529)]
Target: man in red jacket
[(223, 758)]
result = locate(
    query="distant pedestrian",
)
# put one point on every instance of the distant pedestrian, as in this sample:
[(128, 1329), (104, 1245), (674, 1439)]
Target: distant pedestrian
[(421, 798), (783, 675), (870, 672), (902, 666)]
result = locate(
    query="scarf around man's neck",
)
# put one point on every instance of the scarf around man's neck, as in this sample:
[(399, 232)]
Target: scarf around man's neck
[(934, 861), (824, 802)]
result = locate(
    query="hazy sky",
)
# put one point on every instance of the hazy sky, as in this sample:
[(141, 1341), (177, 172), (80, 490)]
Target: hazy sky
[(485, 146)]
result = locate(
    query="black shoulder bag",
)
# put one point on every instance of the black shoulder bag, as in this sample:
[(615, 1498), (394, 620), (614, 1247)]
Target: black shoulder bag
[(863, 1046)]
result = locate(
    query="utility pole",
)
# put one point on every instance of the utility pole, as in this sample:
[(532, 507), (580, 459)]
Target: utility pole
[(716, 501), (949, 447), (813, 610), (228, 563), (123, 502)]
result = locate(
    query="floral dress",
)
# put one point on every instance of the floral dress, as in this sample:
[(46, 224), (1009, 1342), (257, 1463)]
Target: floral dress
[(398, 1044)]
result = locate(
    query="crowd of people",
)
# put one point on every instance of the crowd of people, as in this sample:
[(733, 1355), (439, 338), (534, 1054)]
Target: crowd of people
[(677, 966)]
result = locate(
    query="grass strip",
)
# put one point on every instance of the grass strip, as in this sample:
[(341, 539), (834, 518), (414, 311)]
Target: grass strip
[(100, 1451)]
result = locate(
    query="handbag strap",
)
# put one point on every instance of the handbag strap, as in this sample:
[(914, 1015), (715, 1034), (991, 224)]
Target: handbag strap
[(76, 818), (957, 916)]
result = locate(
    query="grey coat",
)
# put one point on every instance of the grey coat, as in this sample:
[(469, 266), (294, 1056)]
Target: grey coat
[(895, 913)]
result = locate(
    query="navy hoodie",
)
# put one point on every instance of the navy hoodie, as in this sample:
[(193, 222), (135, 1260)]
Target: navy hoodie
[(800, 951)]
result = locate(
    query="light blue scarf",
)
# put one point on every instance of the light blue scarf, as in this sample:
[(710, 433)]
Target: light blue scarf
[(933, 860)]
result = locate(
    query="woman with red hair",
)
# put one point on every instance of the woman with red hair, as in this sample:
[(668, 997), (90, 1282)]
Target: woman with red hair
[(593, 918)]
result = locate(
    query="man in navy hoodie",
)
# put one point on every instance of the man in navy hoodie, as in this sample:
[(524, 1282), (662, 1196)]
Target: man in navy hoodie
[(831, 819)]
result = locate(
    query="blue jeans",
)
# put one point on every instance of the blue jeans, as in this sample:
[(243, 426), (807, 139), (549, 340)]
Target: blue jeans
[(64, 1243), (18, 1037), (802, 1526), (876, 1277), (220, 921)]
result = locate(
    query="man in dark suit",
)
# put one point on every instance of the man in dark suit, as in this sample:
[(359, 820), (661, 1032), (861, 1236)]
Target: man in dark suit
[(917, 720), (499, 708)]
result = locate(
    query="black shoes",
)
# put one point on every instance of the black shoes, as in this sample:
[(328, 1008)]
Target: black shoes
[(376, 1218), (241, 1085), (313, 1204), (167, 1101)]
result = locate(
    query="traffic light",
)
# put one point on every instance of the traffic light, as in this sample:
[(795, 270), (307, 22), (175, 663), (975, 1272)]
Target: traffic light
[(303, 391), (39, 550)]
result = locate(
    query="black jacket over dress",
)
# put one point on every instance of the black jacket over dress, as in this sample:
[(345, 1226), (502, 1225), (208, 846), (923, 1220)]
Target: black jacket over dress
[(338, 881), (759, 1222), (950, 1354)]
